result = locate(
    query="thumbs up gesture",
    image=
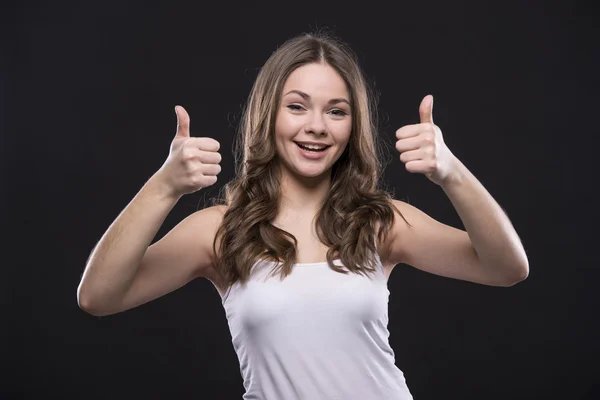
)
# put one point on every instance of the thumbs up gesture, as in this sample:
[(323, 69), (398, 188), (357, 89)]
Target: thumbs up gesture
[(193, 162), (422, 148)]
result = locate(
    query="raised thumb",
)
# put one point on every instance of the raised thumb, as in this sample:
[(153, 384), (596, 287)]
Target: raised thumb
[(183, 122), (426, 109)]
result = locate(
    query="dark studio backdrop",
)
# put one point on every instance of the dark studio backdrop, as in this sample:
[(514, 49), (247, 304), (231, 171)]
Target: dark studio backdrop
[(88, 90)]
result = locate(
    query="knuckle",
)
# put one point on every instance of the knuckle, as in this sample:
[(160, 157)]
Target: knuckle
[(189, 165), (187, 153), (428, 138), (195, 179)]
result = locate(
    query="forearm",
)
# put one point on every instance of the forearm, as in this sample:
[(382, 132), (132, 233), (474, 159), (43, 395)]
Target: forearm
[(115, 259), (494, 238)]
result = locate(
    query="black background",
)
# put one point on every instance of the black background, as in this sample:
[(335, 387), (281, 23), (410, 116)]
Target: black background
[(87, 97)]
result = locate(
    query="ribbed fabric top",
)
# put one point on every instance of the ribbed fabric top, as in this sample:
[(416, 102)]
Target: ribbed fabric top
[(318, 334)]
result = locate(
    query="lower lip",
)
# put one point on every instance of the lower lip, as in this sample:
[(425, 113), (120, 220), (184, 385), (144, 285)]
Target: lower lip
[(313, 155)]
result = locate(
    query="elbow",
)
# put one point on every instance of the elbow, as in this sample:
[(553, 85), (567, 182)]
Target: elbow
[(519, 274), (93, 310), (523, 270), (88, 305)]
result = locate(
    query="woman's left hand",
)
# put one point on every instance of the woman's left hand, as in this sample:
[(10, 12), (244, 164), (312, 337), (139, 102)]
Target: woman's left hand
[(422, 148)]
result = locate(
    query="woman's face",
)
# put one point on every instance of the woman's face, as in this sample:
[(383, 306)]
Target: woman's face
[(313, 121)]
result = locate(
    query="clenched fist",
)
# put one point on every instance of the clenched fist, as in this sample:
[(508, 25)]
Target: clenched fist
[(193, 162)]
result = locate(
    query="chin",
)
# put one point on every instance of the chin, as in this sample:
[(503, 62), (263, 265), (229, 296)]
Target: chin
[(310, 172)]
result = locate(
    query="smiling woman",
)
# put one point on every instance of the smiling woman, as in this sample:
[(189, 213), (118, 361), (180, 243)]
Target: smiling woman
[(311, 91), (304, 242), (300, 276)]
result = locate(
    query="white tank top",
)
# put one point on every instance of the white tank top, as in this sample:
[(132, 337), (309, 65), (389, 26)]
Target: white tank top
[(318, 334)]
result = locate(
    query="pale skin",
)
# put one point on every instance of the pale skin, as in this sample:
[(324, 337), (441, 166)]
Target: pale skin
[(123, 273)]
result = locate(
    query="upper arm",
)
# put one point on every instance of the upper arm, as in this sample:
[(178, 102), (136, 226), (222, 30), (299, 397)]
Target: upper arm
[(180, 256), (434, 247)]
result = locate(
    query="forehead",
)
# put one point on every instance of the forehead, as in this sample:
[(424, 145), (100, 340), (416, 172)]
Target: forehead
[(317, 79)]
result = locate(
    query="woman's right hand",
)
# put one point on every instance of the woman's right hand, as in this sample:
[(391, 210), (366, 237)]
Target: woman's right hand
[(193, 162)]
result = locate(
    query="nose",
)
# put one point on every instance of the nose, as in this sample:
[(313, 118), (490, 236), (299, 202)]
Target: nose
[(316, 125)]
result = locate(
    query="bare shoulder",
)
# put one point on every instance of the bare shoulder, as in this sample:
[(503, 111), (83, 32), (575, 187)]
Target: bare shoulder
[(403, 212), (408, 220), (209, 217), (203, 224), (190, 242)]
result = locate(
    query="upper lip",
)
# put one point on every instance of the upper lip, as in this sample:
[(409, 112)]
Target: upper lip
[(314, 143)]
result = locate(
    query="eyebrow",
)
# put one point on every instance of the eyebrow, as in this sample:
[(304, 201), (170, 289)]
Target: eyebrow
[(306, 97)]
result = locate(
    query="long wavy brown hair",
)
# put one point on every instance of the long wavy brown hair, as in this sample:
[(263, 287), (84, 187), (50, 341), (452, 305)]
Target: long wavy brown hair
[(357, 210)]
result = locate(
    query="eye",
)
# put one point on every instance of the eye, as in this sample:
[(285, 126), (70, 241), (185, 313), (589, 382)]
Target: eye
[(338, 113), (295, 107)]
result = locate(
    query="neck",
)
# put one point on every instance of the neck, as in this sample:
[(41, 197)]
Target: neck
[(301, 194)]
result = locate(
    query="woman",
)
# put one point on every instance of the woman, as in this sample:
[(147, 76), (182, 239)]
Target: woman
[(303, 245)]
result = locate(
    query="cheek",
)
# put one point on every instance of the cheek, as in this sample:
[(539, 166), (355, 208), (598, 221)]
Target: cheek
[(286, 126), (343, 131), (281, 130)]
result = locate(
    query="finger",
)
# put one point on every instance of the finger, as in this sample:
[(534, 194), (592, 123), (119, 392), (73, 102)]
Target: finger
[(411, 143), (411, 156), (408, 131), (183, 122), (426, 109), (210, 180), (211, 169), (206, 144), (209, 157), (420, 166)]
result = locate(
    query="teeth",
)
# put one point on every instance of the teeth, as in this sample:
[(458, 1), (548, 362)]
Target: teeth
[(313, 146)]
